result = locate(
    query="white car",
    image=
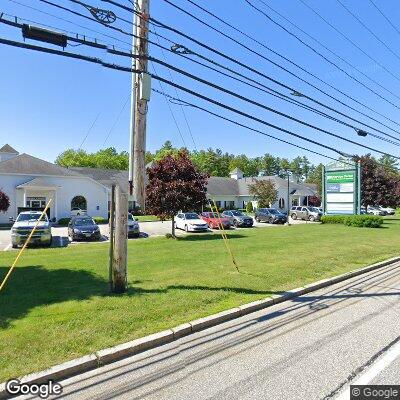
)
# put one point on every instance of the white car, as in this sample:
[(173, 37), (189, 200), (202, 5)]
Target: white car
[(375, 211), (76, 212), (190, 222), (388, 210)]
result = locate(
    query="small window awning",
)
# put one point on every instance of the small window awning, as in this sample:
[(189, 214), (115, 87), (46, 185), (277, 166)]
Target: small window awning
[(303, 192)]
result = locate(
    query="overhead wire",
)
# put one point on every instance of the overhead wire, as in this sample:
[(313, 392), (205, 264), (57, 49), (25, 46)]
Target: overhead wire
[(180, 87), (317, 52), (225, 56)]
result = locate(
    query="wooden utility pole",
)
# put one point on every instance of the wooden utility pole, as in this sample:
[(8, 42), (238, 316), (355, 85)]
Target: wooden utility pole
[(111, 222), (140, 98), (119, 270)]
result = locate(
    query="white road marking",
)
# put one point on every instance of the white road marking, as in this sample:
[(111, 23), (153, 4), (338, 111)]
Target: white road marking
[(382, 363)]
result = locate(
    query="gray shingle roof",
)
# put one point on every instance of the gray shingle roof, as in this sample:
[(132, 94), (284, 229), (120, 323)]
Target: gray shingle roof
[(37, 182), (26, 164), (106, 177), (8, 149), (218, 186)]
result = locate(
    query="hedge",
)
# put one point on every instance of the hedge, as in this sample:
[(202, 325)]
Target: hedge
[(98, 220), (360, 221)]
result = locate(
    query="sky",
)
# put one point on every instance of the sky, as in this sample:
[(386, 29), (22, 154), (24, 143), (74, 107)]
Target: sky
[(51, 103)]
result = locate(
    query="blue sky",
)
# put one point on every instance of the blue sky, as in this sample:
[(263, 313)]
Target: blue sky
[(48, 103)]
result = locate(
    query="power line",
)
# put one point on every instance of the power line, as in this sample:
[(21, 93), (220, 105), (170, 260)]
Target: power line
[(117, 119), (289, 60), (154, 21), (189, 91), (244, 126), (384, 16), (316, 51), (357, 47), (89, 130), (177, 95), (169, 106), (368, 29), (229, 58)]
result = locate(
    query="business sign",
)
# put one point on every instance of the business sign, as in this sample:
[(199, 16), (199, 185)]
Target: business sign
[(341, 188)]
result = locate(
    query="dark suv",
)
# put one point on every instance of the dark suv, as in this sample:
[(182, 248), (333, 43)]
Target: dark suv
[(270, 215), (83, 228)]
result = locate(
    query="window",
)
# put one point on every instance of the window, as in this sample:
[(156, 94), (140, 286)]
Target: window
[(79, 202), (36, 202), (229, 204), (281, 203), (218, 204)]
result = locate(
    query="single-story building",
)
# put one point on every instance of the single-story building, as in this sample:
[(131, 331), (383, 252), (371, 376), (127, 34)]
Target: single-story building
[(234, 192), (30, 182)]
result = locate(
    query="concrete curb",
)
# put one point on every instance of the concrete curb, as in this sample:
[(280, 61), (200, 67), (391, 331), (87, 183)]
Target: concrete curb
[(124, 350)]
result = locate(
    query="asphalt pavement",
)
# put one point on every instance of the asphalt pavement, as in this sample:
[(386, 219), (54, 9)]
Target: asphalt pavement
[(148, 229), (312, 347)]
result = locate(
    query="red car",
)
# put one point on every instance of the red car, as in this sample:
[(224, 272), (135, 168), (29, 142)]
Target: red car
[(214, 221)]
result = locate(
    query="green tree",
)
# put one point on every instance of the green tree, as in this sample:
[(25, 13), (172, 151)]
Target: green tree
[(264, 191), (390, 164), (249, 207), (315, 177)]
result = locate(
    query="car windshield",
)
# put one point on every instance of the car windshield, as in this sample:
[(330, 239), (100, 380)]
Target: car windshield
[(237, 213), (191, 216), (313, 209), (273, 211), (212, 215), (31, 217), (84, 221)]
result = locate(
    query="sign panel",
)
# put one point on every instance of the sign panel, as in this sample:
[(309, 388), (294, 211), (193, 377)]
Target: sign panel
[(341, 188)]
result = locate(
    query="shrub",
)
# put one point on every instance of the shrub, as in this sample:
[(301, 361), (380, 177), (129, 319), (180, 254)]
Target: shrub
[(100, 220), (360, 221), (64, 221), (249, 207)]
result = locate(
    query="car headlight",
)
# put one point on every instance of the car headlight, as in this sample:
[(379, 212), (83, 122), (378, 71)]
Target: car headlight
[(77, 231), (14, 231)]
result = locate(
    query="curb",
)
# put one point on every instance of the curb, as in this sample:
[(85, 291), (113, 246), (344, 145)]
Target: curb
[(115, 353)]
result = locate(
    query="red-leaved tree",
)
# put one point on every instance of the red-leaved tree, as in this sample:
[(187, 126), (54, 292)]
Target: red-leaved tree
[(174, 184), (4, 202)]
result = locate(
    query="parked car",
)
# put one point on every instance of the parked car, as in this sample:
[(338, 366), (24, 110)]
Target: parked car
[(190, 222), (237, 218), (305, 213), (388, 210), (76, 212), (375, 211), (270, 215), (23, 226), (133, 226), (214, 221), (83, 228)]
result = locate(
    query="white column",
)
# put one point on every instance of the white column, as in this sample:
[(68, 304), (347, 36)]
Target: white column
[(24, 205), (55, 205)]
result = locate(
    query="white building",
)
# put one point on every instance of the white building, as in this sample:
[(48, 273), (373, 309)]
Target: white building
[(31, 182), (234, 192)]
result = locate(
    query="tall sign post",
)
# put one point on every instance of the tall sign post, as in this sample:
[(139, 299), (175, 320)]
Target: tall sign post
[(341, 185)]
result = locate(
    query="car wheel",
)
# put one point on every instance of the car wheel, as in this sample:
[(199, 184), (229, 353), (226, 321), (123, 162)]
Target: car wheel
[(257, 219), (294, 216), (271, 221), (14, 246), (235, 223), (186, 228), (311, 218)]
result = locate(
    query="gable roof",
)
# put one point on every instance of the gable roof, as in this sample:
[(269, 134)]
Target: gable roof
[(8, 149), (106, 177), (36, 182), (29, 165)]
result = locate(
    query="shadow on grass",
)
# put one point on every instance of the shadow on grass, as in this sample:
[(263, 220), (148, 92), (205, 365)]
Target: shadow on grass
[(205, 236), (222, 288)]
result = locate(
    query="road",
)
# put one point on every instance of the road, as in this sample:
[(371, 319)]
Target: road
[(148, 229), (309, 348)]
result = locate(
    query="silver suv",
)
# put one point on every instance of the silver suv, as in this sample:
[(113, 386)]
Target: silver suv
[(306, 213), (23, 226)]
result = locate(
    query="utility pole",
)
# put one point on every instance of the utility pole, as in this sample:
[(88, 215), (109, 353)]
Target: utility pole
[(140, 98), (119, 267)]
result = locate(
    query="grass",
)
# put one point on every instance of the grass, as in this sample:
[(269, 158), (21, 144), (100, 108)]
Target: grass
[(146, 218), (56, 306)]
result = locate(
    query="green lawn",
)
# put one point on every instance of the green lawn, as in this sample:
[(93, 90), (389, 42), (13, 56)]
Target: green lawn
[(56, 306), (146, 218)]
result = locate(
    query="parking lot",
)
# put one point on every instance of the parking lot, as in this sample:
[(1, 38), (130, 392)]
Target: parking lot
[(147, 229)]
